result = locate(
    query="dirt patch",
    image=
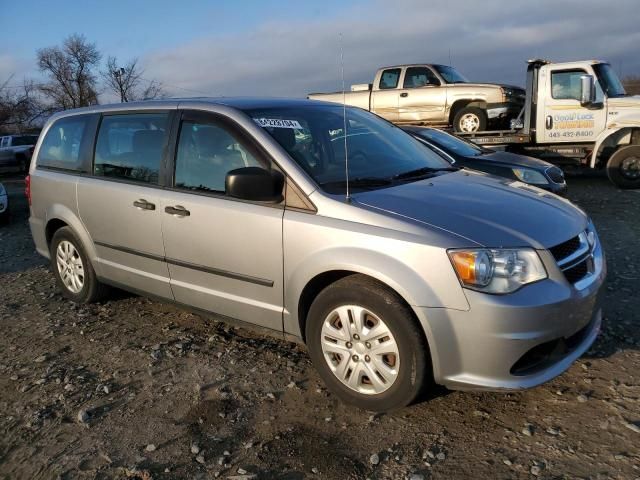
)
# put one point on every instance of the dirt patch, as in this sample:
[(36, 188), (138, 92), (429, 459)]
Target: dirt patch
[(132, 388)]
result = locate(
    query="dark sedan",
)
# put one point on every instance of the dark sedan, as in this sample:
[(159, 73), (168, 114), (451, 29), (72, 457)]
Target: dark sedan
[(504, 164)]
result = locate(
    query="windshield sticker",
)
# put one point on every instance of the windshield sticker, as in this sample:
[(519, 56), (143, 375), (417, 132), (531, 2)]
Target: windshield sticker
[(277, 123)]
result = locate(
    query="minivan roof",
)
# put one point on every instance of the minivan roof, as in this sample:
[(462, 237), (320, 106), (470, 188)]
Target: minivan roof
[(240, 103)]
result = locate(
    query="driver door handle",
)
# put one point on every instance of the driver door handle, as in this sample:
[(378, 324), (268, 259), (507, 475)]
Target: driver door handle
[(142, 204), (178, 210), (404, 94), (549, 122)]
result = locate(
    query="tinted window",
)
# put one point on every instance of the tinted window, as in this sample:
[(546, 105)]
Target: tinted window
[(24, 140), (206, 152), (61, 145), (314, 137), (5, 142), (566, 85), (449, 142), (130, 146), (419, 77), (389, 78)]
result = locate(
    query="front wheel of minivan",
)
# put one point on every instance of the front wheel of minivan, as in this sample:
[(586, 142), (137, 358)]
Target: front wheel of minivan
[(366, 344), (74, 274)]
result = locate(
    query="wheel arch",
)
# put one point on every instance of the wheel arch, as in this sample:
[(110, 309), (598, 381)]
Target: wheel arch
[(610, 140), (463, 103), (60, 216)]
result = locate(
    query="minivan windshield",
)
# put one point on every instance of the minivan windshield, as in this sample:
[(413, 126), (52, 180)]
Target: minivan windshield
[(609, 81), (379, 153), (450, 74)]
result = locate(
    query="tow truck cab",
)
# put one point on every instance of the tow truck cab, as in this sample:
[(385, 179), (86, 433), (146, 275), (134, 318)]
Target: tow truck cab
[(577, 113)]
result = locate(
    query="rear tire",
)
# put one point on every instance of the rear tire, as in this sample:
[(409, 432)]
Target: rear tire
[(470, 120), (378, 323), (623, 168), (74, 273)]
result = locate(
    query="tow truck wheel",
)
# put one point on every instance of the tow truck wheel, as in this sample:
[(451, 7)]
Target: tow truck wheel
[(469, 120), (623, 168)]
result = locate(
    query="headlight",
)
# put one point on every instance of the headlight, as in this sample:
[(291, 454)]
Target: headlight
[(528, 175), (497, 270)]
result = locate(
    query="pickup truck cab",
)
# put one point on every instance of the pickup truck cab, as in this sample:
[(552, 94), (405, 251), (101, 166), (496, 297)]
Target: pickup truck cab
[(434, 95), (16, 150)]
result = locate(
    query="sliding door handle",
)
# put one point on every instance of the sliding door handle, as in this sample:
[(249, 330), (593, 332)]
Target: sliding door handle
[(404, 94), (178, 210), (142, 204)]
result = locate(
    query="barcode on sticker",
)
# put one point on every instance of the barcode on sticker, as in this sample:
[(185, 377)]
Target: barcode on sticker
[(277, 123)]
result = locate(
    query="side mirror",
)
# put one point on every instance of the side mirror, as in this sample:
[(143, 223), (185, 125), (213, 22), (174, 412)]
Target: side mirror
[(255, 184), (587, 90)]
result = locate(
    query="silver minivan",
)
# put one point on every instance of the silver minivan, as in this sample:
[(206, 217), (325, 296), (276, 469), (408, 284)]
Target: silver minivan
[(394, 268)]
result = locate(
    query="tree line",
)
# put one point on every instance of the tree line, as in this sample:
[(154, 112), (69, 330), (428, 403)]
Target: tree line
[(73, 78)]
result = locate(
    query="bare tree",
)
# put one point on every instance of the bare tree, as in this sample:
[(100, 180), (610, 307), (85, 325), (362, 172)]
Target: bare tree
[(70, 68), (20, 107), (632, 84), (127, 82)]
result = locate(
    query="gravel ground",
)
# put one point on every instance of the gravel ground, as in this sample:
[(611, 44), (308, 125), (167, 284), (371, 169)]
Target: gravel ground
[(133, 388)]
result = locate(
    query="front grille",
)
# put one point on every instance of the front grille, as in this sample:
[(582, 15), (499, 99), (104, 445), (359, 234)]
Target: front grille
[(565, 249), (574, 257), (555, 174), (577, 273)]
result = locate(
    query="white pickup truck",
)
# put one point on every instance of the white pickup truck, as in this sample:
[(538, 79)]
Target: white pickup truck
[(428, 94), (576, 113), (16, 150)]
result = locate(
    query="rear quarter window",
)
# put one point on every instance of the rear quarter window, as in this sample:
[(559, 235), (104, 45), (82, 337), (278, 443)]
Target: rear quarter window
[(62, 143)]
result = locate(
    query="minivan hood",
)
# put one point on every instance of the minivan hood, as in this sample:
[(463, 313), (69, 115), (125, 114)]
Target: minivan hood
[(486, 210)]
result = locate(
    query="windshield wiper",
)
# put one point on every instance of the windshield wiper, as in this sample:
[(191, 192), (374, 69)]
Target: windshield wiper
[(361, 182), (423, 171)]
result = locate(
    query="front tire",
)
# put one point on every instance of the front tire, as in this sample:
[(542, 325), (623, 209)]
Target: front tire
[(623, 168), (470, 120), (366, 344), (74, 273)]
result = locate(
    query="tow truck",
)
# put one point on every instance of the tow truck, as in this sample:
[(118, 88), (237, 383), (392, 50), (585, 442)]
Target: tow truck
[(575, 114)]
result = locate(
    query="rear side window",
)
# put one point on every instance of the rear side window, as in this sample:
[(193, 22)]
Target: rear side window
[(389, 78), (61, 146), (130, 146)]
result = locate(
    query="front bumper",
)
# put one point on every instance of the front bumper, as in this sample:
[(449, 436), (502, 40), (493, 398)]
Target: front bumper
[(519, 340), (503, 110)]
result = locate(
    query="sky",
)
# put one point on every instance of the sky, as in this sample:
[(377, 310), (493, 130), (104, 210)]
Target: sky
[(291, 48)]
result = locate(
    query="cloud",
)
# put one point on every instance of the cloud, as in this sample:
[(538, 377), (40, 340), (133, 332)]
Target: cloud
[(488, 41)]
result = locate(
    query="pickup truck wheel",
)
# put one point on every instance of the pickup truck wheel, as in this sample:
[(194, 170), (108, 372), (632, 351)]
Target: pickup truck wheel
[(469, 120), (366, 345), (623, 168)]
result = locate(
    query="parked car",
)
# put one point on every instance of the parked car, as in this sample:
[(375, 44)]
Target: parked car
[(4, 204), (410, 271), (428, 94), (16, 150), (504, 164)]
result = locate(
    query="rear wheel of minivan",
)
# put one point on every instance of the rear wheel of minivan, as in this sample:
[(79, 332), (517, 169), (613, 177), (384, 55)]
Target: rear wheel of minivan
[(74, 273), (366, 344)]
